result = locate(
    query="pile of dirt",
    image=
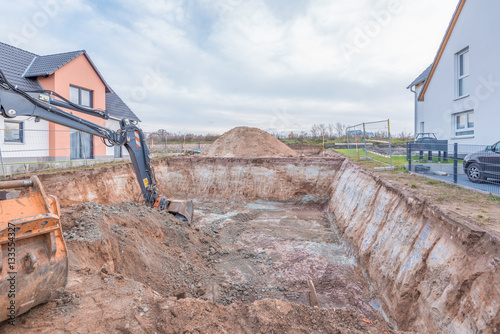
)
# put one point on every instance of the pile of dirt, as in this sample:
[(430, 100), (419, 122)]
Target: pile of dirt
[(244, 142)]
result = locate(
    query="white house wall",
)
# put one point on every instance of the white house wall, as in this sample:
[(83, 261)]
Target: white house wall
[(35, 143), (114, 125), (477, 28), (420, 116)]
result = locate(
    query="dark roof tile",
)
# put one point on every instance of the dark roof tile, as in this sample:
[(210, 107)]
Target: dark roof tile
[(117, 108), (422, 77), (22, 68), (48, 65), (13, 63)]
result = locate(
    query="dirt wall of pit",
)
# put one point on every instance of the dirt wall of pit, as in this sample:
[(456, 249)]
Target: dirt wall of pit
[(236, 179), (435, 273), (280, 179)]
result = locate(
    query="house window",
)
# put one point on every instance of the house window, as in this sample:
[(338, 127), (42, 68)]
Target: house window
[(14, 132), (81, 145), (118, 151), (463, 73), (464, 124), (83, 97)]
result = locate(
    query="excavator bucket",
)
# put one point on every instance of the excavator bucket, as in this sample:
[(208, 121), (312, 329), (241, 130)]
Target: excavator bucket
[(181, 209), (34, 266)]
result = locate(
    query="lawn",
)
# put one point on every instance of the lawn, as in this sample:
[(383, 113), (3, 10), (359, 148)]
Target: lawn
[(397, 160)]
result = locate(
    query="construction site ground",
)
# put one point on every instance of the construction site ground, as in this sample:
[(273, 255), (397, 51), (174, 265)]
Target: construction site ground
[(239, 268), (242, 266)]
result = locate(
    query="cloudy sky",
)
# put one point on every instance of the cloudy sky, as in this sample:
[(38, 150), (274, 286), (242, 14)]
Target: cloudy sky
[(209, 65)]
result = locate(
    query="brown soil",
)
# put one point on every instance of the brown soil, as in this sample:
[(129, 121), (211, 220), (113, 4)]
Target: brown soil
[(243, 142), (136, 270), (306, 149), (478, 208), (239, 268)]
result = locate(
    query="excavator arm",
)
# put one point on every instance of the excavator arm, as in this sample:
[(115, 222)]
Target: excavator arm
[(34, 264), (47, 105)]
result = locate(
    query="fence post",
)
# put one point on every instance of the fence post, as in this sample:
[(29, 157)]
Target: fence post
[(364, 138), (1, 160), (347, 138), (389, 132), (455, 162), (408, 153)]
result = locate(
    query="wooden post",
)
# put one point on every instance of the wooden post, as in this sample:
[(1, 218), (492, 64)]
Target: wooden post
[(312, 296), (323, 142)]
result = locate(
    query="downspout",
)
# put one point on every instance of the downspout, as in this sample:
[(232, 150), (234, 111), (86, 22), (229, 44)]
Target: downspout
[(415, 120)]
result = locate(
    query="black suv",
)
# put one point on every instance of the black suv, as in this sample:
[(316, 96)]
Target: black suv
[(484, 164)]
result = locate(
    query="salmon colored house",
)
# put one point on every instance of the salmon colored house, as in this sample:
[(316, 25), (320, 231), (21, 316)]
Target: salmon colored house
[(74, 76)]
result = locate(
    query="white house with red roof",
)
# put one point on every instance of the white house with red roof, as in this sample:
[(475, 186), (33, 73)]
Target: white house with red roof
[(74, 76)]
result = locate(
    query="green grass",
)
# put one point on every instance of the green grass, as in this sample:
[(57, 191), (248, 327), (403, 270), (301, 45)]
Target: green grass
[(319, 141), (493, 198), (397, 160)]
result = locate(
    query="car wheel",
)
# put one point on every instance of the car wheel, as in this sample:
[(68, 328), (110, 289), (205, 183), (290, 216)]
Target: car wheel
[(474, 173)]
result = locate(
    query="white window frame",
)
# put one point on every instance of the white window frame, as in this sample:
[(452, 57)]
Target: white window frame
[(21, 132), (464, 132), (464, 77)]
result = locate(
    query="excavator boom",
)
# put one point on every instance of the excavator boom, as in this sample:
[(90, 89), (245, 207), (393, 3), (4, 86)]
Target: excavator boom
[(29, 219)]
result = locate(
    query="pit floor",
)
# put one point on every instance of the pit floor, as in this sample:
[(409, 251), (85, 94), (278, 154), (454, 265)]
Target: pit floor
[(271, 249)]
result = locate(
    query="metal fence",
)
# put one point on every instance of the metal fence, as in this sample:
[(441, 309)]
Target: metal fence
[(472, 166), (27, 150), (371, 140), (30, 150), (159, 149)]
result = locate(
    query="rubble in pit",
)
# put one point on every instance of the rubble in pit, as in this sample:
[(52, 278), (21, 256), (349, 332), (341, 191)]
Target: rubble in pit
[(141, 243)]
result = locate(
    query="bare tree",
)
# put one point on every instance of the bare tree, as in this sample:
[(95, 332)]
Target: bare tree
[(331, 131), (161, 135), (340, 129), (314, 131), (322, 129), (405, 135)]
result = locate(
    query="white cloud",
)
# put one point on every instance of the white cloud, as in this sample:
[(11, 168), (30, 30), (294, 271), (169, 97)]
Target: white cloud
[(265, 63)]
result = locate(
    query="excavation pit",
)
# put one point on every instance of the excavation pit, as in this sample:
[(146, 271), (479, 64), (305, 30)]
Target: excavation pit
[(262, 229)]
